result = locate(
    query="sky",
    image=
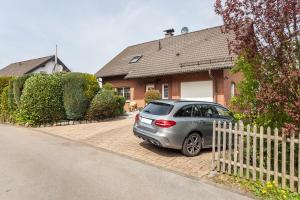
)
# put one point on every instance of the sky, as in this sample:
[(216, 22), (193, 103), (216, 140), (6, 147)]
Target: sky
[(89, 33)]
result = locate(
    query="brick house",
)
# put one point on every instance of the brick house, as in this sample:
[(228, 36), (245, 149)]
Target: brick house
[(192, 66)]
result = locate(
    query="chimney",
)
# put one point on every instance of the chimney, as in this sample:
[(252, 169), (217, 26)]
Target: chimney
[(169, 33)]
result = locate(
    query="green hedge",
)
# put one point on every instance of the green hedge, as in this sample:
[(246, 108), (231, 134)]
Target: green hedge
[(104, 105), (11, 103), (41, 100), (75, 101), (152, 95), (91, 86), (108, 86), (4, 112), (4, 81), (18, 85), (121, 103)]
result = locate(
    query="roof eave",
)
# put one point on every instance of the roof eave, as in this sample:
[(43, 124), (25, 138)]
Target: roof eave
[(128, 76)]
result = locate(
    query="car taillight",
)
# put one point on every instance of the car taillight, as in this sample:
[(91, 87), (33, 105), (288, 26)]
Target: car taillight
[(164, 123), (137, 117)]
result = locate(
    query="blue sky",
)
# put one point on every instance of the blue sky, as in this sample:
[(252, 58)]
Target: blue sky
[(89, 33)]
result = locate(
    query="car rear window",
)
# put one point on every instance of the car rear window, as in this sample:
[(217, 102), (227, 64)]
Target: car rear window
[(158, 108)]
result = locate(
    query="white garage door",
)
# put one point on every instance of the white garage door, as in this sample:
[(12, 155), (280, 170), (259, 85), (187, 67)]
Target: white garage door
[(197, 90)]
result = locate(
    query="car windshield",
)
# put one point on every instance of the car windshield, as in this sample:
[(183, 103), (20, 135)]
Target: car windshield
[(156, 108)]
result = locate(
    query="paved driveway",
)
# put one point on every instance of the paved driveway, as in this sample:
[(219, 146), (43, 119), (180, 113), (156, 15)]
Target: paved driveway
[(117, 136), (43, 167)]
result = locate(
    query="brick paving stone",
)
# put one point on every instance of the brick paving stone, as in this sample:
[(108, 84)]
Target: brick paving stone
[(116, 135)]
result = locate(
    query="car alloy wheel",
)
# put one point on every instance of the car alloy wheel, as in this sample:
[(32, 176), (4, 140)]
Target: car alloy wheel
[(192, 145)]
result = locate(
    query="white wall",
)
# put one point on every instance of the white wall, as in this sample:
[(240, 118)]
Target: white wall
[(48, 68)]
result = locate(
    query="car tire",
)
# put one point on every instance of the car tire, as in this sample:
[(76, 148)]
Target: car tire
[(192, 145)]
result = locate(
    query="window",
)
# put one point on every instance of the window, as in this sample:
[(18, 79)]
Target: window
[(125, 92), (150, 87), (223, 112), (232, 89), (165, 91), (186, 111), (208, 111), (197, 111), (135, 59), (158, 108)]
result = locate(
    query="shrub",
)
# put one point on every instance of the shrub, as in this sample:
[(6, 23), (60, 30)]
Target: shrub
[(11, 100), (152, 95), (108, 86), (103, 105), (74, 98), (91, 86), (4, 81), (4, 114), (18, 84), (121, 103), (41, 101)]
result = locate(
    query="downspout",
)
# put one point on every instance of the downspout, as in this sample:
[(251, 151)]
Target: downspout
[(214, 85)]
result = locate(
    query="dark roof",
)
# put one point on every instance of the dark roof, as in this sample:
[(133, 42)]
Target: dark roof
[(195, 51), (27, 66)]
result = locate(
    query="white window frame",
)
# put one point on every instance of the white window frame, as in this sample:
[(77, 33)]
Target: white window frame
[(232, 89), (163, 90), (123, 92), (150, 85)]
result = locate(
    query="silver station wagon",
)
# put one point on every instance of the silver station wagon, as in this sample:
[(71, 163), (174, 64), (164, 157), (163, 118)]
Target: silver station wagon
[(179, 124)]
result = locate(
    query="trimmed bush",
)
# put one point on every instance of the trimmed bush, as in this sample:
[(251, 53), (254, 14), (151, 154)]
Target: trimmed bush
[(11, 99), (75, 100), (18, 84), (103, 105), (152, 95), (41, 100), (121, 103), (4, 81), (91, 86), (4, 113), (108, 86)]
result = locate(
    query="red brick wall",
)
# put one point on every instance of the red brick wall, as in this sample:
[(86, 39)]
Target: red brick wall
[(228, 79), (138, 86)]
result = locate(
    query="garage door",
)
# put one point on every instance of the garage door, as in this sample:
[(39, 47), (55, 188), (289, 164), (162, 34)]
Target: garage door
[(197, 90)]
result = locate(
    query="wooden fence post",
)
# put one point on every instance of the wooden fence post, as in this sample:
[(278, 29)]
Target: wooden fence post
[(248, 151), (219, 146), (276, 156), (235, 149), (298, 163), (230, 147), (224, 146), (213, 147), (241, 150), (254, 153), (261, 153), (268, 153), (283, 166), (292, 163)]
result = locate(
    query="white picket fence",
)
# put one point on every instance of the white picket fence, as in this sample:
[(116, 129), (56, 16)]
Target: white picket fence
[(257, 155)]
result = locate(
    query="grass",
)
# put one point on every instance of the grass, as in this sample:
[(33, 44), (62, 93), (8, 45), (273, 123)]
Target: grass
[(260, 190)]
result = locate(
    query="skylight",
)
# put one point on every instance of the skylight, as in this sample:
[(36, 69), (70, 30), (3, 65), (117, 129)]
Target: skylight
[(135, 59)]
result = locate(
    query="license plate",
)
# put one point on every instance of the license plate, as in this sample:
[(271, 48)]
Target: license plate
[(146, 121)]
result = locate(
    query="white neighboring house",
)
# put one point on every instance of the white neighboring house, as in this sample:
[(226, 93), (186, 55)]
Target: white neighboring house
[(46, 64)]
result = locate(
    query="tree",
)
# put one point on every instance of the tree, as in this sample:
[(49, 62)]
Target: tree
[(267, 35)]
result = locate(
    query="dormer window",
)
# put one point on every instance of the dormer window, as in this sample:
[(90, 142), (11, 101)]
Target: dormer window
[(135, 59)]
